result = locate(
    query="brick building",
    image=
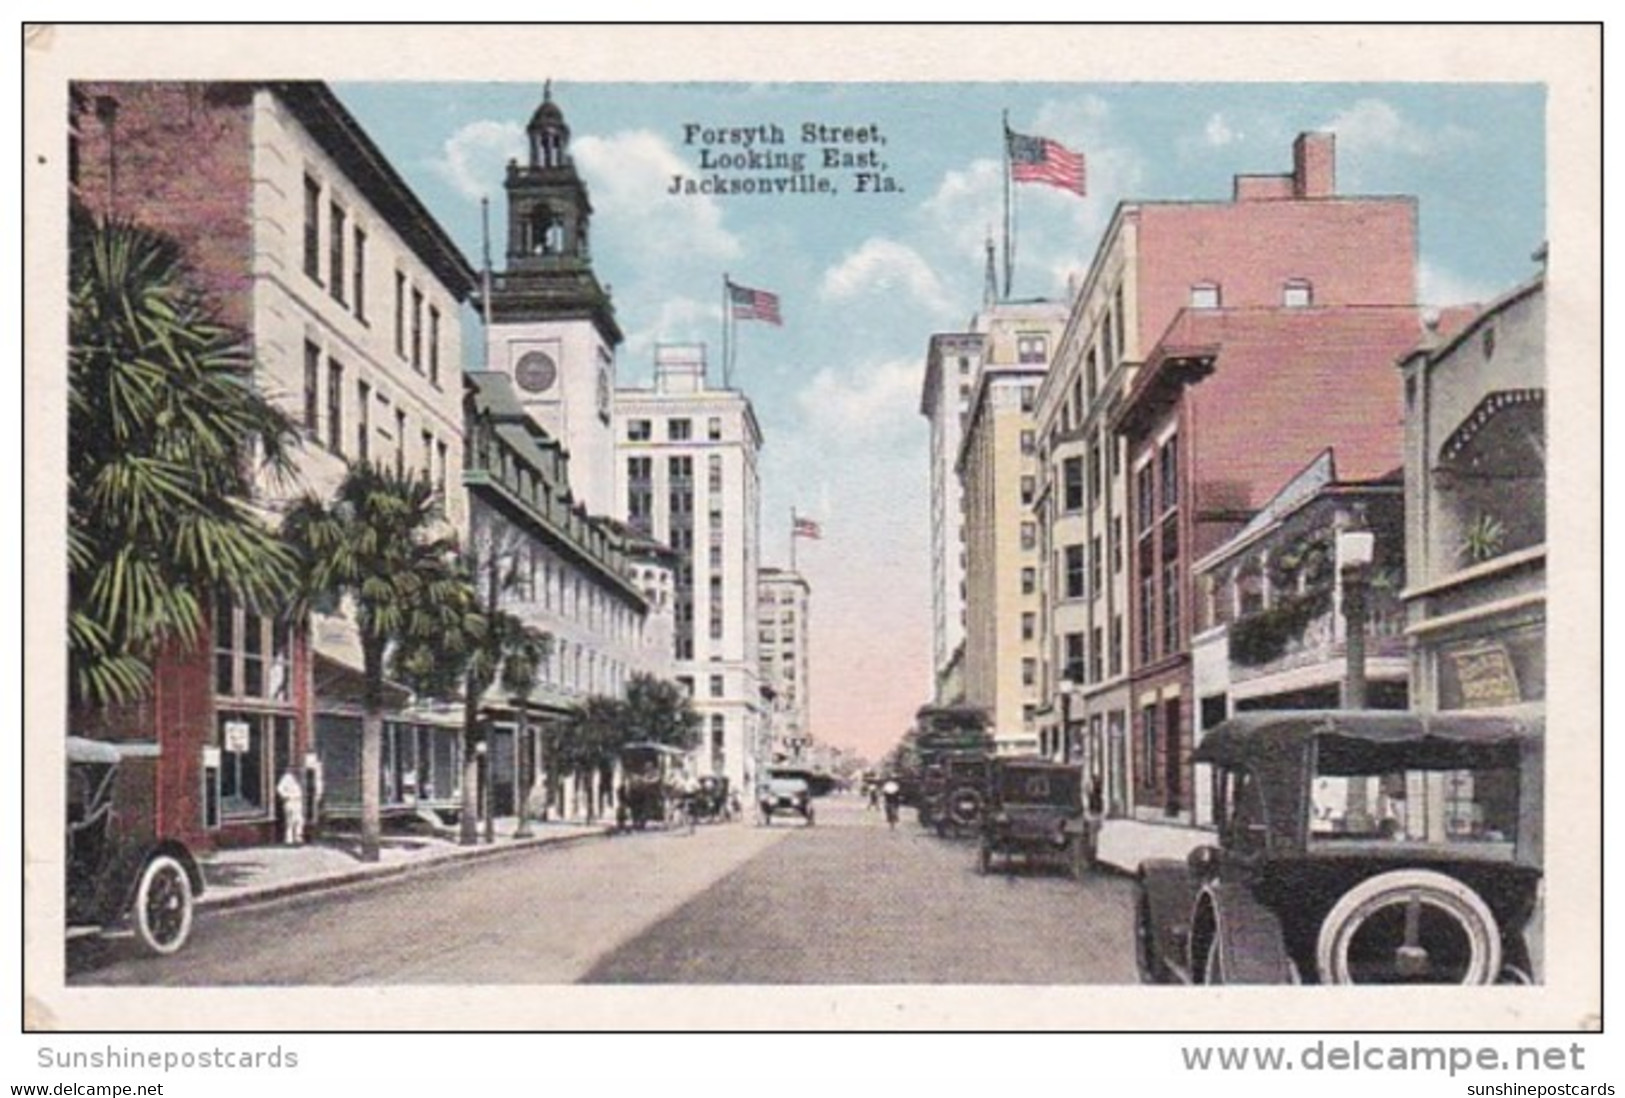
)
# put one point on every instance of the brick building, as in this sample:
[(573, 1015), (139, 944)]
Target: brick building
[(1239, 301), (304, 237)]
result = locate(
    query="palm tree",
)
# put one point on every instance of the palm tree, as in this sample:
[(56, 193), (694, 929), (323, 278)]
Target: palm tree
[(166, 435), (377, 546), (527, 649)]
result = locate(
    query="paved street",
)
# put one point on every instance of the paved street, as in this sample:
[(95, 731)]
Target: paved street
[(844, 902)]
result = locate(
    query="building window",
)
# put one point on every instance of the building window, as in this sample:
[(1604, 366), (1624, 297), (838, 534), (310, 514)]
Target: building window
[(716, 686), (640, 493), (1029, 535), (1073, 668), (1096, 581), (440, 468), (1168, 462), (1028, 442), (1029, 672), (427, 439), (1148, 747), (1075, 575), (716, 608), (1122, 326), (313, 230), (1117, 644), (400, 444), (360, 302), (1095, 479), (1145, 502), (400, 314), (1205, 295), (1072, 483), (1029, 580), (335, 247), (313, 388), (1115, 536), (1091, 372), (1108, 340), (1029, 626), (335, 406), (1032, 349), (1029, 397), (713, 429), (363, 420), (679, 430), (1148, 602), (1097, 662), (417, 329), (1297, 294), (637, 430), (434, 345), (1029, 490)]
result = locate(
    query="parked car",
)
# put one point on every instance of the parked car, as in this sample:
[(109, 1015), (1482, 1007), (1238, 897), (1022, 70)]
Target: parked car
[(121, 872), (962, 799), (652, 779), (1355, 848), (784, 796), (1035, 811)]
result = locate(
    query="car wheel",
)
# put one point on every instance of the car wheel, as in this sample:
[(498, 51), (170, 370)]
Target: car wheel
[(1409, 926), (1213, 965), (1145, 948), (163, 905)]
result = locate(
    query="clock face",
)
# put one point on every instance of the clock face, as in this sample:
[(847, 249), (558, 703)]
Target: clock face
[(536, 372)]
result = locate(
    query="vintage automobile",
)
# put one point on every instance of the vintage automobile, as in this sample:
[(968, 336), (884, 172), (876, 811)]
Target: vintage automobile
[(958, 803), (652, 780), (120, 871), (1035, 811), (1355, 848), (710, 801), (784, 794)]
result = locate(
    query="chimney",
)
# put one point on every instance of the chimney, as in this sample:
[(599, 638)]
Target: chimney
[(1314, 165)]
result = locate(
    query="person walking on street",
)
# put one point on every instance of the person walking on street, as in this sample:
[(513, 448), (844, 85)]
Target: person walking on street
[(892, 793)]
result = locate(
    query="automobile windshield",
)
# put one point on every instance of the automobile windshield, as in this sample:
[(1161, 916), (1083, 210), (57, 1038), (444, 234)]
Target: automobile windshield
[(1468, 806), (1019, 786)]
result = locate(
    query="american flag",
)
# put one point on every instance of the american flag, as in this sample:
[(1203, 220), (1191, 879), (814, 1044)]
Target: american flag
[(1040, 160), (749, 304), (806, 528)]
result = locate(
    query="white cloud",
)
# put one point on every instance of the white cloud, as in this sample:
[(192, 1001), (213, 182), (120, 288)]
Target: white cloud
[(881, 269), (474, 158), (1440, 287), (878, 400), (1218, 133), (1374, 126), (676, 320), (629, 174)]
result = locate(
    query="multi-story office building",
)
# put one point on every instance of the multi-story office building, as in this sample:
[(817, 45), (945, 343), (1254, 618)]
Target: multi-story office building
[(1475, 508), (783, 607), (687, 473), (300, 233), (952, 366), (998, 469), (1117, 608)]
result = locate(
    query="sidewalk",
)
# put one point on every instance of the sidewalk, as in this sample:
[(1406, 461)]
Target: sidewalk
[(1125, 843), (254, 874)]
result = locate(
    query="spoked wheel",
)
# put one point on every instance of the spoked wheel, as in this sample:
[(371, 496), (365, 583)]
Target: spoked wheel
[(163, 905), (1409, 926)]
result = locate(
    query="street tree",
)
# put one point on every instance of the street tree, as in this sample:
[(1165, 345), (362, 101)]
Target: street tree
[(166, 436), (379, 547), (659, 711)]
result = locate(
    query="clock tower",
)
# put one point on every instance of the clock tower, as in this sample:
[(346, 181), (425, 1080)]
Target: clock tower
[(552, 325)]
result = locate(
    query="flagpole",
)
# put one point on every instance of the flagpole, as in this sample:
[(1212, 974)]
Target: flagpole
[(1009, 216), (727, 308), (792, 538)]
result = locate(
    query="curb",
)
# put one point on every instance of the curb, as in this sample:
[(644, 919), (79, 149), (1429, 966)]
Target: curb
[(384, 873)]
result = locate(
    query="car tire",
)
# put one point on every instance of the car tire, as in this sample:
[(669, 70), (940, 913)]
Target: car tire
[(163, 905), (1415, 892)]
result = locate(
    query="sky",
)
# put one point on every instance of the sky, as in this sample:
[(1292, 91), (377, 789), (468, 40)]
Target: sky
[(865, 278)]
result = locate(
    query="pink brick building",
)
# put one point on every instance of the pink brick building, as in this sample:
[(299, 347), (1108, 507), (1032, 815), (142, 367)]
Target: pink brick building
[(1213, 350)]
